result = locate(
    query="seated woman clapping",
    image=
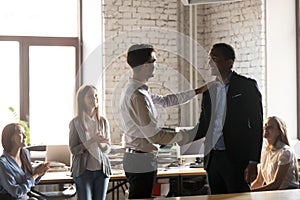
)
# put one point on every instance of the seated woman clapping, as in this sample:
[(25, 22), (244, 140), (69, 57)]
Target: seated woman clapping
[(17, 175)]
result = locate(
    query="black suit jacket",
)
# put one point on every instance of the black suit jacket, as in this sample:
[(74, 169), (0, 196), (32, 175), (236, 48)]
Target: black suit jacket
[(243, 122)]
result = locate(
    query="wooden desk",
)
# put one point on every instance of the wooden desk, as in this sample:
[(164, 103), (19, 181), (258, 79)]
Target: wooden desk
[(179, 174), (119, 180), (169, 173), (184, 171), (56, 178), (65, 177), (293, 194)]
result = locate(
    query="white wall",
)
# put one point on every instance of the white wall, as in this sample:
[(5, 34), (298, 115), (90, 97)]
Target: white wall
[(92, 36), (281, 62)]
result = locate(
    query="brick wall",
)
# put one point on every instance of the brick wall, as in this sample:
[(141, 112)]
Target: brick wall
[(240, 24), (165, 24), (134, 21)]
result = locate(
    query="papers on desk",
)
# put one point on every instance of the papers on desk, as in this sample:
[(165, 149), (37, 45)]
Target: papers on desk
[(167, 155), (58, 167), (117, 171), (54, 166), (178, 167), (116, 161), (116, 155)]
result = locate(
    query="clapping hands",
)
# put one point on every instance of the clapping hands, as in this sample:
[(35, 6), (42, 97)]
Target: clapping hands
[(41, 169), (99, 138)]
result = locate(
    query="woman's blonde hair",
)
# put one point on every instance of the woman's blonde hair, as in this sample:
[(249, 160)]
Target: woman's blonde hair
[(281, 125), (81, 106)]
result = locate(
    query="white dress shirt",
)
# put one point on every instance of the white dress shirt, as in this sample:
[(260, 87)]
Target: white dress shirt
[(140, 119)]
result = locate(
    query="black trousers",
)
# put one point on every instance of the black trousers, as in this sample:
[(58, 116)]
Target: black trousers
[(225, 176), (140, 170), (141, 184)]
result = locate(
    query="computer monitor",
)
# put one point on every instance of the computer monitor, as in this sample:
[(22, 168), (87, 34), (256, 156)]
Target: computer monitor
[(58, 153), (191, 150)]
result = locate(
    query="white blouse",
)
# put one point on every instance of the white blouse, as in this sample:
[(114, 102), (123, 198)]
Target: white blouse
[(270, 161), (93, 162)]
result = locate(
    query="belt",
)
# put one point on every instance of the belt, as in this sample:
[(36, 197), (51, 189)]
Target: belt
[(130, 150), (220, 150), (214, 151)]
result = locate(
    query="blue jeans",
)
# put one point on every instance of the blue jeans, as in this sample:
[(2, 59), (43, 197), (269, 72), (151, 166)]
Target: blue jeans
[(91, 185)]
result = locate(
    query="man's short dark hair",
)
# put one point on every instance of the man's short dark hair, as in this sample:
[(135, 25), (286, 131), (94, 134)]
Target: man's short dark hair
[(139, 54), (226, 49)]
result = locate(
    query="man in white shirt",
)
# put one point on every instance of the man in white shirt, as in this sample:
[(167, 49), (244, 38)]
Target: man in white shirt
[(140, 121)]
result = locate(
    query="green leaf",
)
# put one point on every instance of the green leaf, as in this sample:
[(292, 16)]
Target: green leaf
[(25, 124)]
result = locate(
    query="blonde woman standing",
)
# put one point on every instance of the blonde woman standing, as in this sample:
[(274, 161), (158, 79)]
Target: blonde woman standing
[(89, 142)]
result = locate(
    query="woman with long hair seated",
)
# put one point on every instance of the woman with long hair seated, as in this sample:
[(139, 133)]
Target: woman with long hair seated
[(17, 175), (279, 165)]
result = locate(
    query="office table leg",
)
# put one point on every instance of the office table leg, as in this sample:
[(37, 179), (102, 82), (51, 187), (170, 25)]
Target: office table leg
[(116, 187), (113, 191)]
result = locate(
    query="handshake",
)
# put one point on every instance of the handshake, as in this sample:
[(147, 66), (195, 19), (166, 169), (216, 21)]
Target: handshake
[(185, 135)]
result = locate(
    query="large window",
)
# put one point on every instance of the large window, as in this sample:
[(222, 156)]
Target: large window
[(40, 59), (39, 77), (52, 85)]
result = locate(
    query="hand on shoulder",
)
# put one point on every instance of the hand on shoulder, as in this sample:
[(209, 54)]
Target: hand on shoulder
[(204, 87)]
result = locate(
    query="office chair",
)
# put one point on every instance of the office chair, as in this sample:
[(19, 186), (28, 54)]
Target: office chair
[(67, 193)]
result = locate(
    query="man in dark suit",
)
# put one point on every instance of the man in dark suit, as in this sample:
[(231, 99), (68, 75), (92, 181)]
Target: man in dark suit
[(231, 121)]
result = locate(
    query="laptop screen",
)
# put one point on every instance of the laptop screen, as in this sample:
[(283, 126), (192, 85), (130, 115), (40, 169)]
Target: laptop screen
[(58, 153)]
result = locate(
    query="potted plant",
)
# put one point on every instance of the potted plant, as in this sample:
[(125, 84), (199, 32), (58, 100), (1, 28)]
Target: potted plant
[(25, 124)]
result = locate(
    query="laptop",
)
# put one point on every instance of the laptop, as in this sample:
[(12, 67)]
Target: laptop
[(58, 154)]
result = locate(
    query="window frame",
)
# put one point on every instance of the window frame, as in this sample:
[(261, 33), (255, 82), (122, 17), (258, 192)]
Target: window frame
[(24, 43)]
